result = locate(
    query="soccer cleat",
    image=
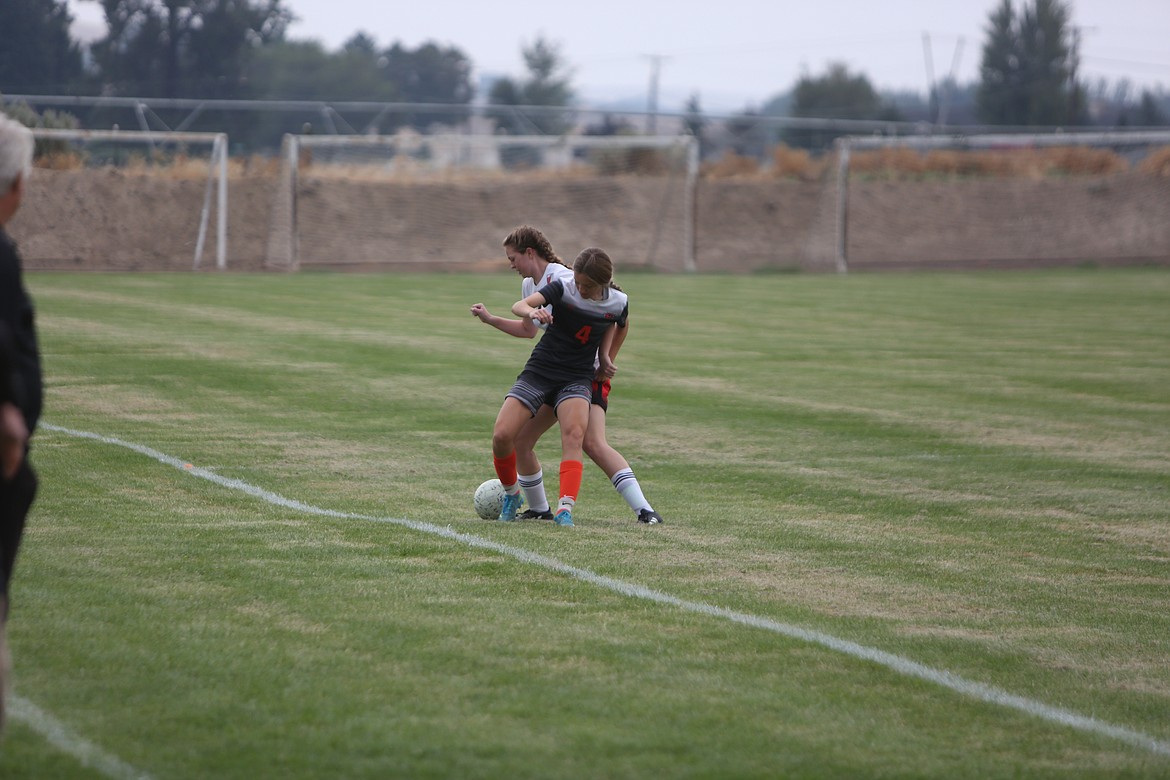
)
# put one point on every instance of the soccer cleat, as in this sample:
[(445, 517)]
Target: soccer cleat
[(649, 517), (533, 514), (563, 516), (512, 504)]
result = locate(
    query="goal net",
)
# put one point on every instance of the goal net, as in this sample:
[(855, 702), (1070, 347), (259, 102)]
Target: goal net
[(1003, 200), (125, 200), (446, 201)]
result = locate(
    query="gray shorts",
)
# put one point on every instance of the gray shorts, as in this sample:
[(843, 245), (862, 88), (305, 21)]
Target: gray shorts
[(535, 391)]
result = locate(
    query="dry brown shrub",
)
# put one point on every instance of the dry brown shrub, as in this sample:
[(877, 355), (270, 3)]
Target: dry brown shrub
[(997, 163), (945, 161), (1079, 160), (893, 162), (254, 165), (897, 162), (959, 162), (646, 162), (730, 166), (180, 167), (907, 161), (61, 161), (795, 163), (420, 173), (1156, 163)]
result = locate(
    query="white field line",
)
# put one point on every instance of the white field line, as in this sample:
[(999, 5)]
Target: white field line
[(896, 663), (58, 735)]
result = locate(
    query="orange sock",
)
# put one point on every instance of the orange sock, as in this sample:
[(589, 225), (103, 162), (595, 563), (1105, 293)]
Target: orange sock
[(571, 473), (506, 470)]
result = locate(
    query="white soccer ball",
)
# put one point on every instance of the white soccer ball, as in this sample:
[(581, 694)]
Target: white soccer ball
[(489, 499)]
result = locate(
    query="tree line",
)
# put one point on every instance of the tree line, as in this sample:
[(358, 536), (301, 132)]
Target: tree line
[(239, 49)]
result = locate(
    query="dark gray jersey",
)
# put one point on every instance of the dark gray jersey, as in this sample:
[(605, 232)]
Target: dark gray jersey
[(569, 346)]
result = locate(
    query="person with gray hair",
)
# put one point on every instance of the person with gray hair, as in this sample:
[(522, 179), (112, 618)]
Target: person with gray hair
[(21, 389)]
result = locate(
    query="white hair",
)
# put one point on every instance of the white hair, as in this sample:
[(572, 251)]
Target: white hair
[(16, 152)]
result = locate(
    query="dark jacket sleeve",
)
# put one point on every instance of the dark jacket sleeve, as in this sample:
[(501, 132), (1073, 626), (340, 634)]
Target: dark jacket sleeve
[(20, 360)]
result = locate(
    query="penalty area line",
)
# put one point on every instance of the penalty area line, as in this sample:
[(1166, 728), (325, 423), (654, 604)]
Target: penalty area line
[(896, 663)]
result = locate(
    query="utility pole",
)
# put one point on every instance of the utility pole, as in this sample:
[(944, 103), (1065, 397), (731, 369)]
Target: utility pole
[(1074, 93), (931, 88), (940, 97), (652, 96), (946, 97)]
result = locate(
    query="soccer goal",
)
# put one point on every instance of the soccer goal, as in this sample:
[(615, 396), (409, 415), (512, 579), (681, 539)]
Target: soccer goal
[(125, 200), (446, 201), (1003, 200)]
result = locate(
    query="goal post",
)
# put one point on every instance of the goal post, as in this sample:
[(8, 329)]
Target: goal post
[(1003, 200), (446, 201), (159, 194)]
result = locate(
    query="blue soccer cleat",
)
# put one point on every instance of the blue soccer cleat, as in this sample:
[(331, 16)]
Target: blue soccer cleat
[(563, 516), (512, 504)]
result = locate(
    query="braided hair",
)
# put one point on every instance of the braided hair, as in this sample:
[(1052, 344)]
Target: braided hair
[(527, 237)]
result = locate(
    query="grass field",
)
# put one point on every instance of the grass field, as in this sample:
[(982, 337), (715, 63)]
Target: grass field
[(917, 526)]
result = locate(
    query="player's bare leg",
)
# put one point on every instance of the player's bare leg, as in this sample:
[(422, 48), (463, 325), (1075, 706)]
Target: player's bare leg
[(528, 465), (616, 467), (511, 419), (573, 415)]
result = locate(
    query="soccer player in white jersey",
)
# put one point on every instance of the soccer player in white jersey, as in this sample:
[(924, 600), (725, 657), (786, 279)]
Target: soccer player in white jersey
[(531, 255)]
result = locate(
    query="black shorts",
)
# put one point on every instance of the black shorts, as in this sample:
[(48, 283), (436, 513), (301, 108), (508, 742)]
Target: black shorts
[(534, 391)]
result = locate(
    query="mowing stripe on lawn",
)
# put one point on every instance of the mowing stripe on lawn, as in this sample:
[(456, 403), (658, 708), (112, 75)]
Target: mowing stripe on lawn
[(905, 666)]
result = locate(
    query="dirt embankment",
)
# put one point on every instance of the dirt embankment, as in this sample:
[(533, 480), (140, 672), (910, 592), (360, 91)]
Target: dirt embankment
[(111, 220)]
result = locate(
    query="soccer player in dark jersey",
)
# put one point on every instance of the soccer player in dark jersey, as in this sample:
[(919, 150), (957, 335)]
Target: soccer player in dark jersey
[(531, 255), (581, 316)]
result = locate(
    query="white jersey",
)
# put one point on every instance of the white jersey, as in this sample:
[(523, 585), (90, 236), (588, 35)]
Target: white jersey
[(554, 272)]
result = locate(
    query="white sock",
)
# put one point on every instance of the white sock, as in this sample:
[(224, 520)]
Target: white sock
[(627, 485), (533, 487)]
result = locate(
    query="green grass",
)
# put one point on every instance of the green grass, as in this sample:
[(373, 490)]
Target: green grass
[(970, 471)]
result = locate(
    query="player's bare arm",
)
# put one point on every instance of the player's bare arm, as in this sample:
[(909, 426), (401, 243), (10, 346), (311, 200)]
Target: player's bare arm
[(531, 309), (619, 337), (523, 328), (605, 352)]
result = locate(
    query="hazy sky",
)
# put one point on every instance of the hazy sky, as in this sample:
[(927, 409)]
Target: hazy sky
[(733, 53)]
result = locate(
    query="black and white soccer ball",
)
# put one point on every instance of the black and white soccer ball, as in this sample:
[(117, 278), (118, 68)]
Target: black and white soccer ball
[(489, 499)]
